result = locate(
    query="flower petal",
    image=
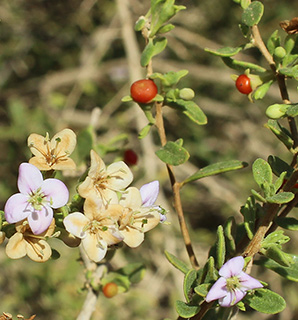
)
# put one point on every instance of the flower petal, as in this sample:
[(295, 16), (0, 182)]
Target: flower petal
[(38, 250), (66, 144), (75, 223), (120, 176), (39, 221), (16, 246), (132, 237), (231, 298), (30, 178), (248, 283), (146, 219), (37, 144), (149, 193), (56, 192), (40, 163), (232, 267), (64, 164), (17, 208), (96, 249), (131, 198), (97, 165), (218, 290)]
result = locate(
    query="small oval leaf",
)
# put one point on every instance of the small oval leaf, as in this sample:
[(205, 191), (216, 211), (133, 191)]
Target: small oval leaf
[(253, 13), (172, 153), (266, 301)]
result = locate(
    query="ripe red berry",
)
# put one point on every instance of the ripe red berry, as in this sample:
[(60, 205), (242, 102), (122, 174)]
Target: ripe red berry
[(130, 157), (143, 91), (243, 84), (110, 289)]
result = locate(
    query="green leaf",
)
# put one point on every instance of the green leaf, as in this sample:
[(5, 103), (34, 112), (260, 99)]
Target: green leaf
[(171, 78), (173, 153), (166, 28), (261, 91), (230, 232), (262, 172), (216, 168), (253, 13), (153, 47), (162, 11), (241, 66), (186, 310), (249, 213), (290, 71), (288, 223), (276, 237), (190, 109), (188, 284), (202, 289), (281, 133), (225, 52), (282, 197), (144, 132), (275, 253), (265, 301), (273, 42), (278, 166), (140, 24), (134, 271), (177, 263), (258, 196), (292, 110), (209, 271), (290, 273), (126, 99), (220, 246)]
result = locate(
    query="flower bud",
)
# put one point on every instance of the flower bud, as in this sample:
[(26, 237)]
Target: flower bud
[(279, 53)]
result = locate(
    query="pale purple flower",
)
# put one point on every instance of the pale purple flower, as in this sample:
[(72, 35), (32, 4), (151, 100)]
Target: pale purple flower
[(233, 284), (36, 200), (149, 193)]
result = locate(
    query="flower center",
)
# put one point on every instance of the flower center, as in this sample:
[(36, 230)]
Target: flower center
[(233, 283), (37, 199)]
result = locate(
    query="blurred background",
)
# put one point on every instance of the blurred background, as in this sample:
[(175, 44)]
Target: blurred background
[(68, 64)]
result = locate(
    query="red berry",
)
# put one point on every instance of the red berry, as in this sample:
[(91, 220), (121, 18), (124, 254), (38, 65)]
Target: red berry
[(110, 289), (130, 157), (243, 84), (143, 91)]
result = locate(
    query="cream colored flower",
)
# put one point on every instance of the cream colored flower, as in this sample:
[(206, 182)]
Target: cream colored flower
[(104, 182), (97, 227), (52, 154), (24, 242), (136, 219)]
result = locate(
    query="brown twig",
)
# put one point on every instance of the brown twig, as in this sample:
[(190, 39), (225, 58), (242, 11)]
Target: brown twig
[(176, 189)]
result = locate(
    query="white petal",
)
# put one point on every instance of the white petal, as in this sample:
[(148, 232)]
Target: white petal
[(249, 282), (218, 290), (30, 178), (56, 192), (120, 176), (96, 249), (132, 237), (39, 221), (232, 267), (131, 198), (75, 223), (149, 193), (17, 208)]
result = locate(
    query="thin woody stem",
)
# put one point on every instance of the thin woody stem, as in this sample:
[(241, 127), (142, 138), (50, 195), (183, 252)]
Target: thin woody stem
[(176, 190), (271, 210)]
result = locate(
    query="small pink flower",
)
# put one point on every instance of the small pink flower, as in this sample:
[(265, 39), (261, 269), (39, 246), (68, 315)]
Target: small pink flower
[(36, 200), (233, 284)]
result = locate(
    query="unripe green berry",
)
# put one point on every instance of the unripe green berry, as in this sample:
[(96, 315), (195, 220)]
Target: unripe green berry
[(279, 52), (186, 94)]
